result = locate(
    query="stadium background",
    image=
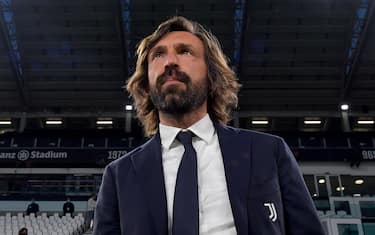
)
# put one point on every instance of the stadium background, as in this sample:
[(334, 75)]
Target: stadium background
[(64, 114)]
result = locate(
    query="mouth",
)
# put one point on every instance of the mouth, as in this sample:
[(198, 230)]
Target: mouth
[(172, 81), (172, 78)]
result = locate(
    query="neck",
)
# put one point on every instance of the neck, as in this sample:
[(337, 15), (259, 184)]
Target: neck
[(184, 120)]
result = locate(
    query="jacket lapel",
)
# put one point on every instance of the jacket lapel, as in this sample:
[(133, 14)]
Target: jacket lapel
[(236, 151), (149, 170)]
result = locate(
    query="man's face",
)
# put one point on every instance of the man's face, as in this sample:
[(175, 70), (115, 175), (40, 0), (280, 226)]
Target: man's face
[(177, 73)]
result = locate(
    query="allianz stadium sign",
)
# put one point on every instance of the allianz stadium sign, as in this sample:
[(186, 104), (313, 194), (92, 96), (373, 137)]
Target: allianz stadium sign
[(24, 155), (11, 157)]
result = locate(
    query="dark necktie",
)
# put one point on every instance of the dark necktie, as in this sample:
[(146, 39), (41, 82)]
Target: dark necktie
[(186, 205)]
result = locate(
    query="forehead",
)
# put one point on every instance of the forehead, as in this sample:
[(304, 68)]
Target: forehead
[(178, 37)]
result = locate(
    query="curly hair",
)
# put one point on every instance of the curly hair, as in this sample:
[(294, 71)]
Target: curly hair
[(223, 86)]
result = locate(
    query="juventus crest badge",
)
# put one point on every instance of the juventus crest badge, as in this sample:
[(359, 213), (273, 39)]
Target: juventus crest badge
[(272, 210)]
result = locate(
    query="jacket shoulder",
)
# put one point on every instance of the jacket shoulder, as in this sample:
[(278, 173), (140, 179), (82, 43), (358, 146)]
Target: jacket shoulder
[(126, 159), (254, 135)]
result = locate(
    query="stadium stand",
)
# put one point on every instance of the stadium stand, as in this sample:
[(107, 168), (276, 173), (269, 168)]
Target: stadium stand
[(43, 224)]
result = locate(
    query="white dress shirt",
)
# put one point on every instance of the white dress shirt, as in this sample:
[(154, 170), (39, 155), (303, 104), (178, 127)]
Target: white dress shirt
[(215, 213)]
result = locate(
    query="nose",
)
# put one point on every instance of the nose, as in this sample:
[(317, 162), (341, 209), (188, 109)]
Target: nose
[(171, 61)]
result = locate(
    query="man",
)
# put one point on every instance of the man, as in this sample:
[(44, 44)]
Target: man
[(68, 207), (91, 204), (33, 207), (196, 175), (22, 231)]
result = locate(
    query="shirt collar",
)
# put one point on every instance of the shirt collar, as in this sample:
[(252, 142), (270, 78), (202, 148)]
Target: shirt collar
[(204, 129)]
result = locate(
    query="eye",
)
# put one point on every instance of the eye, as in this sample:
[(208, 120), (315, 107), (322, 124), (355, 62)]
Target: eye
[(186, 52), (158, 54)]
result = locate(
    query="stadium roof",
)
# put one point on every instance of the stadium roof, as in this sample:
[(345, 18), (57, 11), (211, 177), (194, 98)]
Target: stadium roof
[(294, 58)]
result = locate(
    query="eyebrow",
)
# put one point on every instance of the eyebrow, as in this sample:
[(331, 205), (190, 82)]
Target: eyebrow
[(157, 48), (184, 45), (176, 46)]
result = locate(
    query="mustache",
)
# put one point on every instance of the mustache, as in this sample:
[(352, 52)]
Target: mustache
[(178, 75)]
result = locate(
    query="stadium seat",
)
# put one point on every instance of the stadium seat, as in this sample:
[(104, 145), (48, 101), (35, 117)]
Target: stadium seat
[(320, 213), (330, 213), (341, 213)]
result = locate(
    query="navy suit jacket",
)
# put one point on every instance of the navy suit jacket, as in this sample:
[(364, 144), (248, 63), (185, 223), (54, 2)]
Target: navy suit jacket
[(266, 190)]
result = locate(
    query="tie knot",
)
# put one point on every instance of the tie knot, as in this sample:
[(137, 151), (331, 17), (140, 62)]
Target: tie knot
[(185, 137)]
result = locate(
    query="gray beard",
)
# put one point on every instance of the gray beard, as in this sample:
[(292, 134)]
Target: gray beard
[(176, 101)]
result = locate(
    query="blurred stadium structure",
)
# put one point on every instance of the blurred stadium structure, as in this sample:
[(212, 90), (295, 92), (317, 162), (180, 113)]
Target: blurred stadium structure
[(64, 114)]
